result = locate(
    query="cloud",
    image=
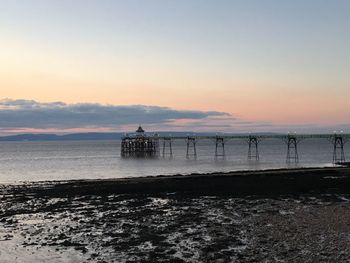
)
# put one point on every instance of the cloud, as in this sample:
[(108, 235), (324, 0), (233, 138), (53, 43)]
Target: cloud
[(21, 114)]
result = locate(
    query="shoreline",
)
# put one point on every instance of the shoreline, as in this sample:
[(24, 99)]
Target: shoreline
[(268, 182), (271, 215)]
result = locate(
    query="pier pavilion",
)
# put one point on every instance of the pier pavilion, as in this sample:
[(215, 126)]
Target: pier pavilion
[(139, 145)]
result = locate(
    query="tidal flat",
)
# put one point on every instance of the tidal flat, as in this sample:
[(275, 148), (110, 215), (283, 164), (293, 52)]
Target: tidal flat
[(96, 221)]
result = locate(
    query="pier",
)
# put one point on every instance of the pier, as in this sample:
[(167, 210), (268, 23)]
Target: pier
[(142, 145)]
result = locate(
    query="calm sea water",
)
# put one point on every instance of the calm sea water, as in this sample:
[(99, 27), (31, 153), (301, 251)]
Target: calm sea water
[(36, 161)]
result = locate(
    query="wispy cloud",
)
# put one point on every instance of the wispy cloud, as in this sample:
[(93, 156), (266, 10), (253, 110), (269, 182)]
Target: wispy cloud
[(19, 114)]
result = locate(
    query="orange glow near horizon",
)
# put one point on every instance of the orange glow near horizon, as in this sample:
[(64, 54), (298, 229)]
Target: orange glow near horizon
[(253, 103), (281, 76)]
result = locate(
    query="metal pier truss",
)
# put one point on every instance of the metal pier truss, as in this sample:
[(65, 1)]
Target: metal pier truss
[(292, 141)]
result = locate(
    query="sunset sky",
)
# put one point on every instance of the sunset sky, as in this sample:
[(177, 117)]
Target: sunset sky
[(194, 65)]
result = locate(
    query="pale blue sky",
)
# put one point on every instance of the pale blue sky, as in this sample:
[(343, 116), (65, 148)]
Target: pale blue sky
[(294, 52)]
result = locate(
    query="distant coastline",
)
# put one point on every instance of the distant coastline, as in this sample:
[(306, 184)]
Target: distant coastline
[(62, 137), (88, 136)]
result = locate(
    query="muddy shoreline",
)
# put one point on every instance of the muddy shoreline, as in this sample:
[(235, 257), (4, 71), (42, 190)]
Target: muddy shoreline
[(299, 215), (263, 183)]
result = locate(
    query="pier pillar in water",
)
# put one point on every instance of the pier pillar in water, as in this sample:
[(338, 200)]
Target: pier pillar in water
[(338, 149), (167, 144), (191, 148), (219, 147), (292, 149), (125, 148), (253, 151)]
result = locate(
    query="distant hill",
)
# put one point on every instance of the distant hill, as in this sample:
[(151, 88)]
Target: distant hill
[(65, 137), (88, 136), (82, 136)]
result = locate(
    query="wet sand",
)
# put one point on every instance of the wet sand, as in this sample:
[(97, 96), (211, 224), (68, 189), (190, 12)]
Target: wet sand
[(300, 215)]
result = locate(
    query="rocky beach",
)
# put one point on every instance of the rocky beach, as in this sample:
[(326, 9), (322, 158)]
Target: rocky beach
[(298, 215)]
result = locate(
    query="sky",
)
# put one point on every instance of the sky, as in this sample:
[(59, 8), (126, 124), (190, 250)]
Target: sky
[(193, 65)]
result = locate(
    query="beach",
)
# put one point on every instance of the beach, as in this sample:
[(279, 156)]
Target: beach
[(285, 215)]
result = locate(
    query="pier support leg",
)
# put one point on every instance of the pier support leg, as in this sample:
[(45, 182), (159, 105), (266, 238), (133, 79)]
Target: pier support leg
[(338, 149), (292, 150), (219, 147), (191, 144), (125, 148), (156, 147), (253, 150), (167, 144)]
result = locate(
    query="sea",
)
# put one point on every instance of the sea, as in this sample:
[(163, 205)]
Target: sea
[(66, 160)]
